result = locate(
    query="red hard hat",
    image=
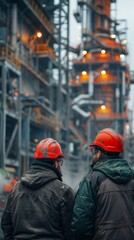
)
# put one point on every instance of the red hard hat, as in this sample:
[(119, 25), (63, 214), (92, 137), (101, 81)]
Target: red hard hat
[(48, 148), (109, 140)]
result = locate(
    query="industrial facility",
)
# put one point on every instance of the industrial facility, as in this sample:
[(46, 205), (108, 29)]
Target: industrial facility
[(101, 77), (43, 95)]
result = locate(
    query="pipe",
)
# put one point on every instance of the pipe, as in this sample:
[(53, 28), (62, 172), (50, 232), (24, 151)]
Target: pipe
[(80, 97), (80, 111), (13, 24)]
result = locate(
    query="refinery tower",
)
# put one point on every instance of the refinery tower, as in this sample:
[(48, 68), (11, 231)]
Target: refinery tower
[(100, 78)]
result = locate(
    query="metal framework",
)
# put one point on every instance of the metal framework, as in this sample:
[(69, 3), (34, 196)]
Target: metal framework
[(100, 73), (10, 120), (33, 78), (61, 21)]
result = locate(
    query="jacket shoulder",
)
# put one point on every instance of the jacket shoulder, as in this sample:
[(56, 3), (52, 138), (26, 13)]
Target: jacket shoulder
[(64, 188), (96, 178)]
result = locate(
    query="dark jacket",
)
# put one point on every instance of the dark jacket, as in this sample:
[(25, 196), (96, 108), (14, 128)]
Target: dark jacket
[(39, 206), (104, 207)]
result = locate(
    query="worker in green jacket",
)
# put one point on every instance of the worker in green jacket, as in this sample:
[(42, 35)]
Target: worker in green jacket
[(104, 205)]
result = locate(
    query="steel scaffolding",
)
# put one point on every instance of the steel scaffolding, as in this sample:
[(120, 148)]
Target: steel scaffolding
[(33, 78)]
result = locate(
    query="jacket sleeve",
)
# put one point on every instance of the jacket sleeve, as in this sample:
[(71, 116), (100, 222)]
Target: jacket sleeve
[(6, 222), (84, 211), (67, 205)]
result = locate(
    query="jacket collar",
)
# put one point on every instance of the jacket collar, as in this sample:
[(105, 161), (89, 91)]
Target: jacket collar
[(41, 165)]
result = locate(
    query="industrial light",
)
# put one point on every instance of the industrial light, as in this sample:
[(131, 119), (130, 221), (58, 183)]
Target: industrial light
[(124, 41), (39, 34), (103, 72), (70, 56), (103, 107), (122, 56), (113, 36), (84, 73), (103, 51), (84, 52), (127, 126)]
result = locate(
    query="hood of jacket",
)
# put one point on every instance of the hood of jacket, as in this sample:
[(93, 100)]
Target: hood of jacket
[(39, 175), (117, 170)]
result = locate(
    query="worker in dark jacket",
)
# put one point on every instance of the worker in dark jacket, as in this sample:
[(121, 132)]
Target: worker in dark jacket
[(40, 205), (104, 207)]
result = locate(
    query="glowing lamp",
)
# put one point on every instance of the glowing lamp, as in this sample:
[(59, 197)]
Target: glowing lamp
[(103, 72), (84, 52), (103, 51), (122, 56), (124, 41), (39, 34), (103, 107), (127, 126), (113, 36), (84, 73)]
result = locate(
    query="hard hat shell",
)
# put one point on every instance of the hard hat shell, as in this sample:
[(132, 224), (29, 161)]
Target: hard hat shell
[(48, 148), (109, 140)]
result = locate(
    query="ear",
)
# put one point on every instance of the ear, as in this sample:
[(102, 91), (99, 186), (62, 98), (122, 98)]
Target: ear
[(100, 154), (56, 164)]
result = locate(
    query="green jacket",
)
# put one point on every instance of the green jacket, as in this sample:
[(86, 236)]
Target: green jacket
[(104, 205)]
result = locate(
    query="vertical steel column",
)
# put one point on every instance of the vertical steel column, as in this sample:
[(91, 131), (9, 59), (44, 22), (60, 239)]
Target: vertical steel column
[(117, 95), (62, 25), (26, 138), (19, 127), (67, 79), (59, 73), (50, 68), (3, 116), (13, 24)]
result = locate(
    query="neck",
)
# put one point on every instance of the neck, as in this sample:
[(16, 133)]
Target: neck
[(40, 164)]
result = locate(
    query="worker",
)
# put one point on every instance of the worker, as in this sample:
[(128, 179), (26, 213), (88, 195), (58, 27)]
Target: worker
[(40, 205), (104, 206)]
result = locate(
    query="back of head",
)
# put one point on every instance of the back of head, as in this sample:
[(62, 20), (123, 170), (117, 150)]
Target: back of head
[(48, 148), (109, 141)]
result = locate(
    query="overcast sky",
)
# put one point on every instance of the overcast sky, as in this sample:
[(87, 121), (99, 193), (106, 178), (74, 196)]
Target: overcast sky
[(125, 10)]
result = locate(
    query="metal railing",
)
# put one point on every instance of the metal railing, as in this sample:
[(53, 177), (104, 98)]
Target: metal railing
[(44, 48), (7, 52)]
